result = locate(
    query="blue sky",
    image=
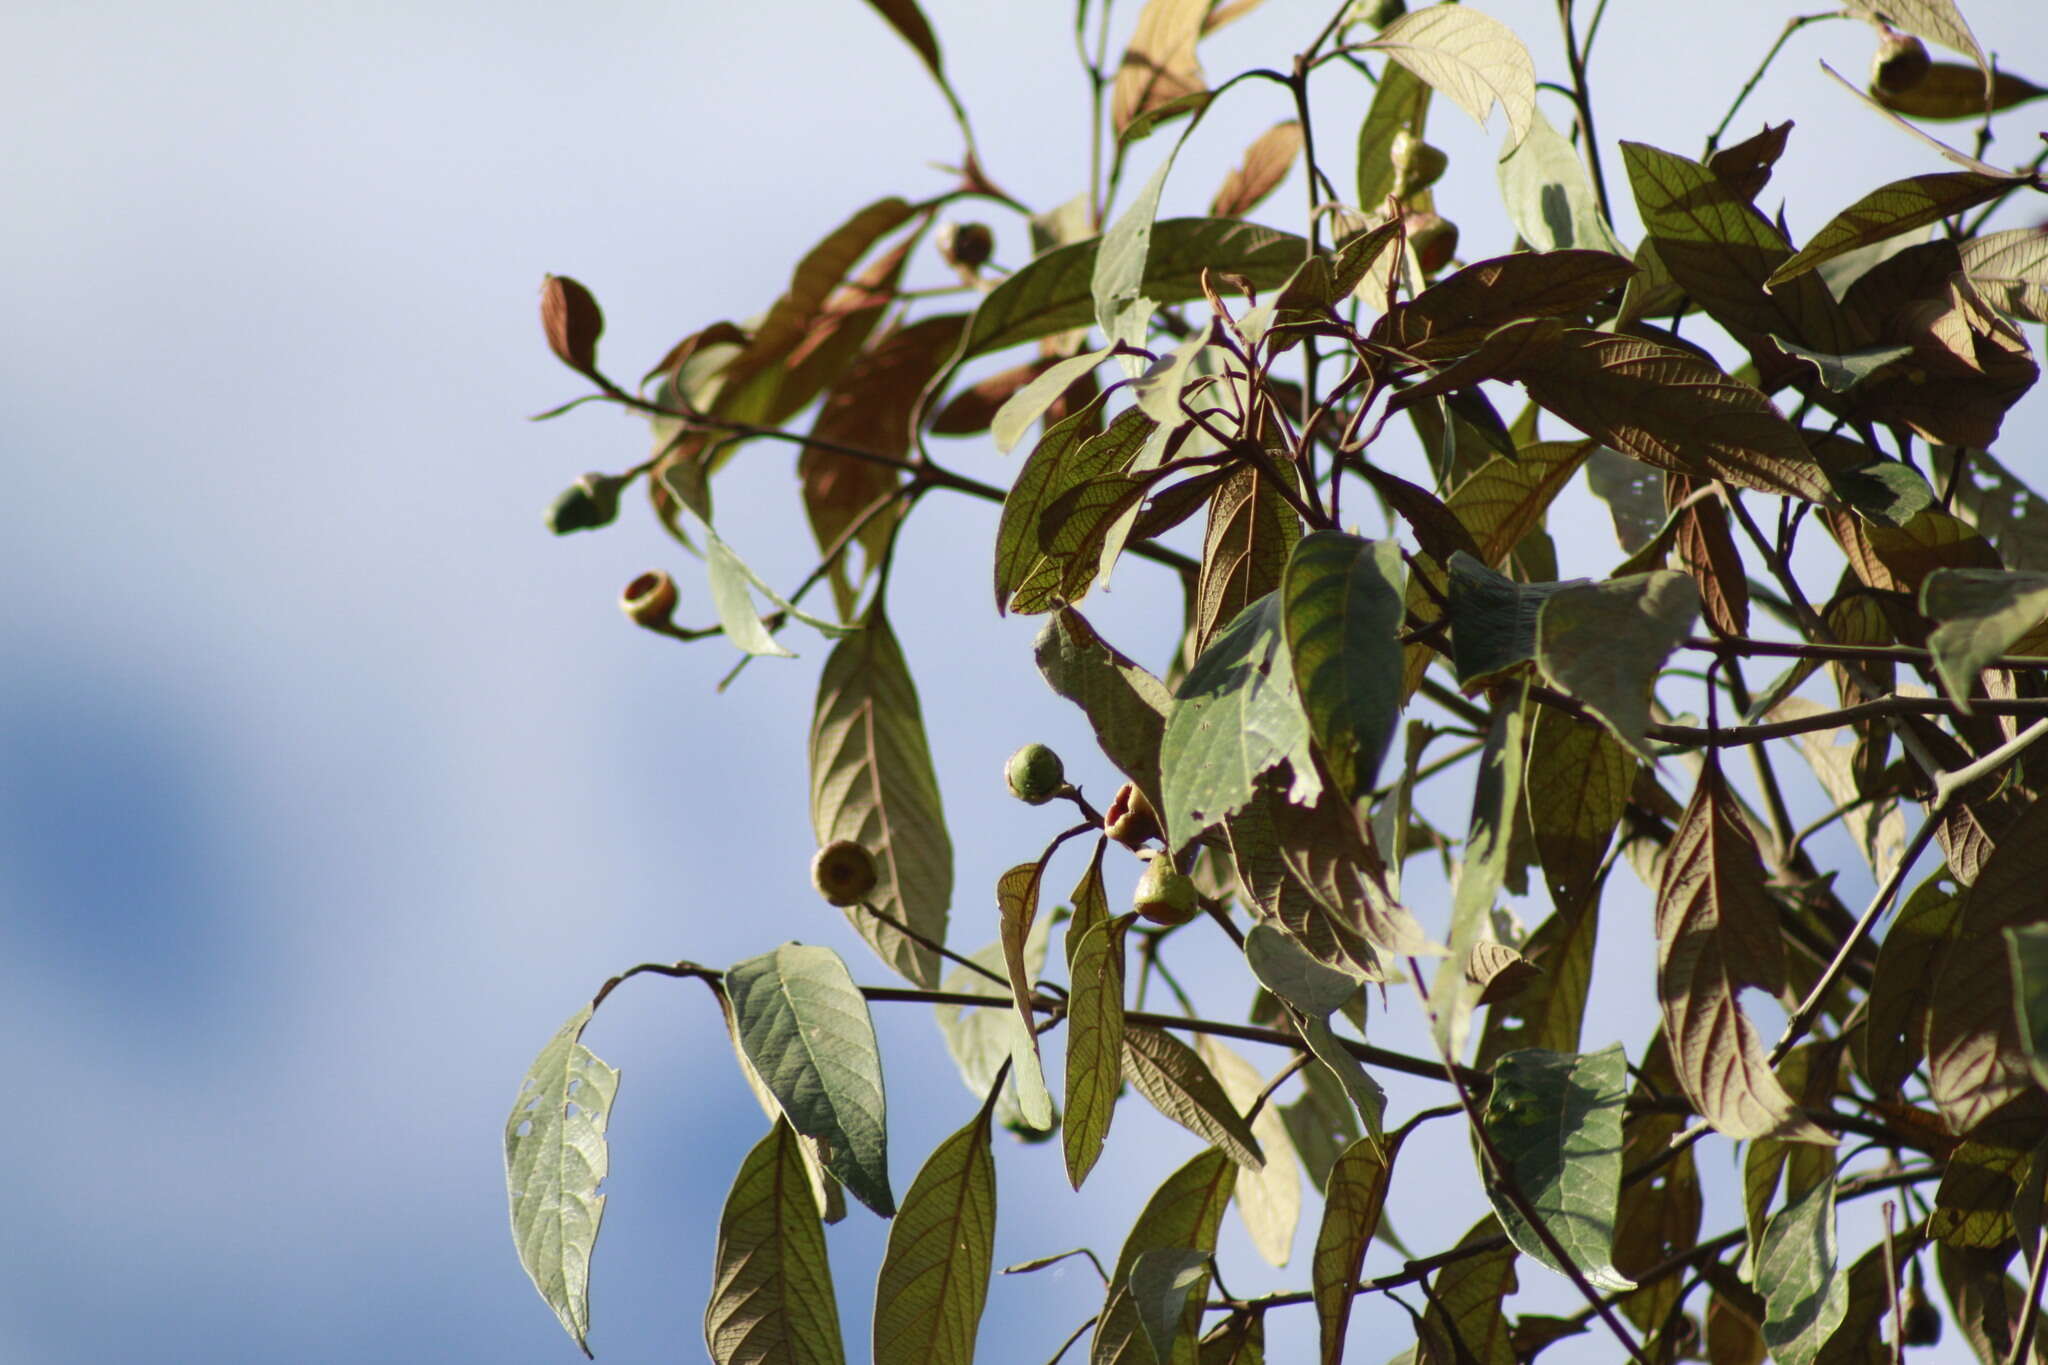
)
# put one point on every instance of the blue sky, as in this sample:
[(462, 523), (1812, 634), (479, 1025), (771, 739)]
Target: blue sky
[(330, 784)]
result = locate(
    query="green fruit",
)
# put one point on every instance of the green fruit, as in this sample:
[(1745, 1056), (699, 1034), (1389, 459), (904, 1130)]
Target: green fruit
[(1035, 774), (1900, 63), (1165, 895), (1417, 165), (843, 872)]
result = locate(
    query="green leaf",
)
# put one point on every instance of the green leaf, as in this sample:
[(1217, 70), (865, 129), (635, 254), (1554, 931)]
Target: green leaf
[(1472, 59), (1352, 1201), (1496, 795), (1321, 1123), (1804, 1296), (1173, 1077), (1035, 571), (2011, 270), (1893, 209), (1123, 308), (2028, 945), (934, 1277), (1183, 1212), (1268, 1199), (1029, 403), (1165, 1283), (555, 1158), (743, 627), (1341, 604), (1017, 903), (1953, 91), (1250, 534), (1938, 21), (1493, 618), (1846, 372), (981, 1040), (1326, 849), (1285, 968), (1400, 101), (1124, 704), (1603, 644), (1549, 196), (1095, 1031), (1234, 717), (1894, 1037), (804, 1026), (1053, 293), (1983, 613), (1466, 1307), (771, 1284), (1578, 783), (1555, 1118), (872, 783)]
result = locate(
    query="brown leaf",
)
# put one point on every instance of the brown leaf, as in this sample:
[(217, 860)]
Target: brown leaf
[(1717, 932), (1251, 532), (1951, 90), (1745, 168), (1577, 783), (1658, 1216), (1706, 547), (1160, 65), (969, 412), (1499, 971), (1455, 314), (1329, 852), (1266, 163), (1272, 892), (572, 321), (1897, 558)]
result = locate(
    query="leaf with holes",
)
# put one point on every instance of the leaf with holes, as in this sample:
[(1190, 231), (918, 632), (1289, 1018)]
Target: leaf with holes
[(872, 783), (1555, 1118), (555, 1158), (804, 1026), (771, 1282)]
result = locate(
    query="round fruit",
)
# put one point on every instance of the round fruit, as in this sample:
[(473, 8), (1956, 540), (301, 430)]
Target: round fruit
[(1035, 774), (966, 245), (1165, 895), (1900, 63), (1417, 165), (649, 600), (843, 872)]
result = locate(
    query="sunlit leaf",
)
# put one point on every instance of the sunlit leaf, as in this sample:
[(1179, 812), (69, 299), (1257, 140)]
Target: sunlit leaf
[(555, 1159), (771, 1287), (1549, 195), (1353, 1197), (872, 783), (1029, 403), (1496, 796), (1399, 102), (1183, 1212), (1266, 163), (1017, 906), (1159, 67), (1095, 1027), (1326, 848), (1268, 1199), (1893, 209), (1578, 783), (735, 604), (1036, 571), (934, 1277), (1341, 606), (1250, 534), (1805, 1297), (1603, 643), (1284, 967), (1938, 21), (982, 1039), (1173, 1077), (1555, 1118), (1125, 705), (1474, 60), (805, 1028), (1982, 613), (1164, 1284), (2011, 269), (1465, 1324)]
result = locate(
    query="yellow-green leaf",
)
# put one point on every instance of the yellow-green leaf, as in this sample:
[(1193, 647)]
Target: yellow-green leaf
[(771, 1288), (1472, 58), (934, 1277)]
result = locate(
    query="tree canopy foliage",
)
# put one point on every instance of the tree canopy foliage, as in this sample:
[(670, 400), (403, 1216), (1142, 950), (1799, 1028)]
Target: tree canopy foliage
[(1830, 593)]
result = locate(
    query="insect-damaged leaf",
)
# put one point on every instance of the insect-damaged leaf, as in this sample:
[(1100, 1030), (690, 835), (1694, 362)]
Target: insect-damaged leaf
[(1982, 612), (1234, 717), (1352, 1201), (1174, 1078), (1341, 604), (872, 783), (1471, 58), (1603, 643), (934, 1277), (1805, 1297), (1893, 209), (555, 1158), (1268, 1199), (1717, 932), (1054, 292), (1183, 1212), (771, 1286), (1266, 163), (805, 1029), (1555, 1118)]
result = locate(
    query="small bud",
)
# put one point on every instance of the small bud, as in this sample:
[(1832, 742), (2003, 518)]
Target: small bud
[(1417, 165), (966, 246), (590, 502), (1434, 238), (1923, 1319), (650, 600), (1035, 774), (1165, 894), (573, 322), (1130, 820), (1900, 63), (843, 872)]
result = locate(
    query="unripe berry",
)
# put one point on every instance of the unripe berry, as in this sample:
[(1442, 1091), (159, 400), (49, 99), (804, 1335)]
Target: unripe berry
[(590, 502), (843, 872), (1035, 774), (1130, 820), (1165, 894), (1900, 63), (650, 600), (966, 246), (1417, 165)]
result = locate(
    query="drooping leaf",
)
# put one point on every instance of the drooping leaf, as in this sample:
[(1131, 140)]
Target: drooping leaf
[(1716, 933), (1095, 1030), (1322, 1122), (771, 1287), (1982, 613), (1603, 643), (982, 1039), (1496, 796), (1473, 59), (2028, 946), (804, 1026), (1706, 547), (1234, 717), (1548, 1010), (1266, 163), (1053, 292), (1549, 196), (934, 1277), (910, 24), (872, 782), (1893, 209), (1805, 1297), (1276, 895), (1124, 704), (1341, 606), (1284, 967), (1017, 907), (831, 1199), (1659, 1215), (735, 604), (1329, 851), (1159, 68), (1173, 1077), (1633, 493), (555, 1159), (1268, 1199), (1164, 1283), (1493, 619), (1555, 1118), (1353, 1198)]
